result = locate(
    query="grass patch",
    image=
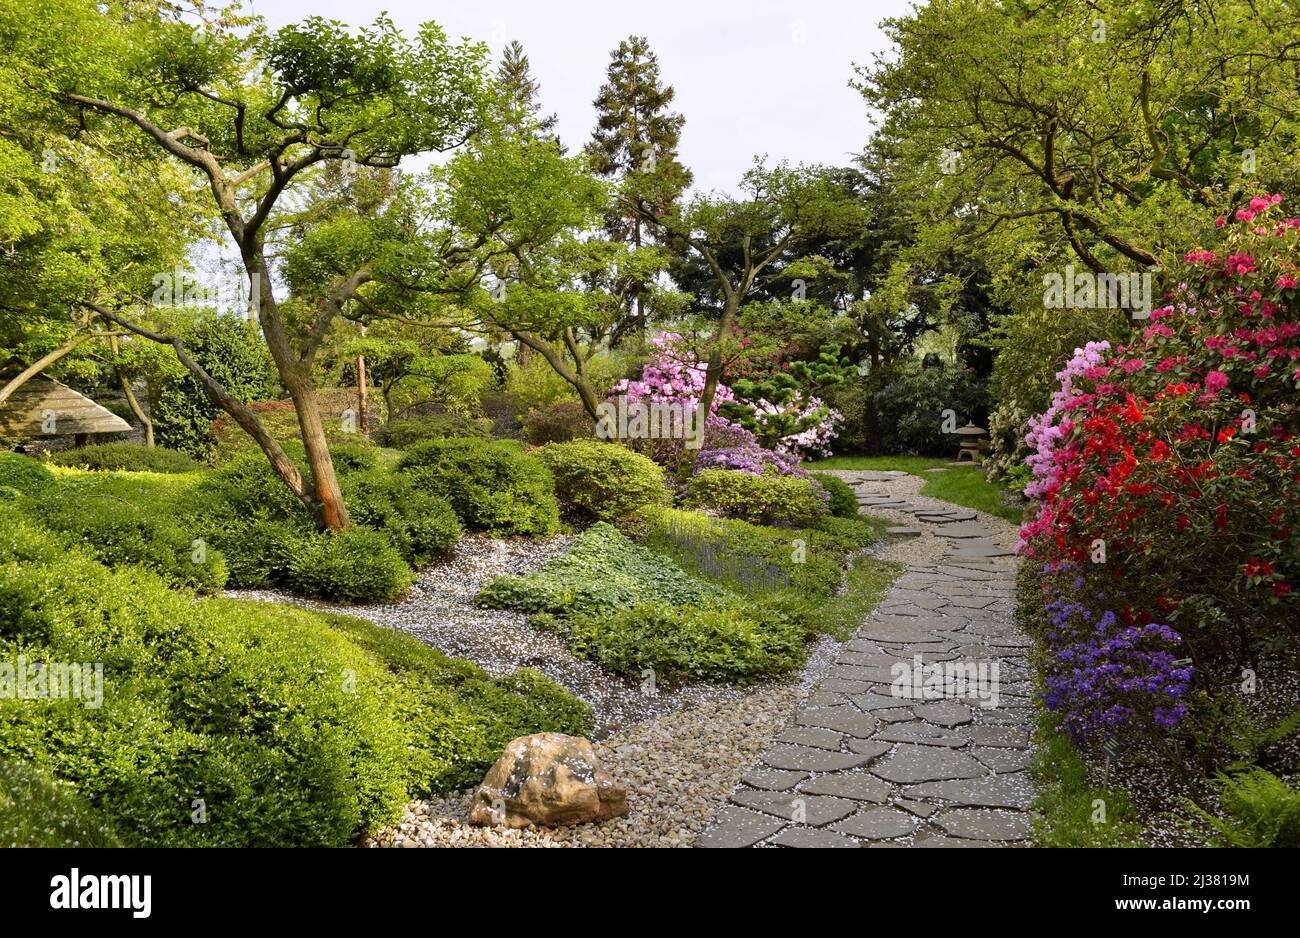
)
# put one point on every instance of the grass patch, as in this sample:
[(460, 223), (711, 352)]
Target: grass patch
[(1069, 807), (963, 485)]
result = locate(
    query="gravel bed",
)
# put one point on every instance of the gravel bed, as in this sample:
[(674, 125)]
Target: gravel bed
[(440, 610), (677, 768)]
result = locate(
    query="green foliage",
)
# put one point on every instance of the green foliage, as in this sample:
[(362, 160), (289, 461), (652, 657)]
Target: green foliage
[(405, 432), (23, 473), (558, 423), (910, 409), (39, 811), (355, 566), (595, 479), (126, 457), (294, 728), (229, 349), (843, 500), (420, 525), (490, 484), (790, 390), (1260, 810), (765, 499), (602, 570)]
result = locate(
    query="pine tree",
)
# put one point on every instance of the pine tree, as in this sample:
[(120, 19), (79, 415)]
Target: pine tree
[(636, 133), (520, 91)]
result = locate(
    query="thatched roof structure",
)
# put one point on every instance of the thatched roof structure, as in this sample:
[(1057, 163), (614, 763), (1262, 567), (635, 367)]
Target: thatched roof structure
[(44, 407)]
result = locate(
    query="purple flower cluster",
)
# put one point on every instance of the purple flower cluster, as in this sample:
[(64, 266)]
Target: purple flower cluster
[(1105, 677), (750, 458)]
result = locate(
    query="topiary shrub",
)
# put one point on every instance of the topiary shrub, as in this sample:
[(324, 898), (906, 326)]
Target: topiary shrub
[(491, 485), (770, 499), (843, 500), (558, 423), (39, 811), (405, 432), (420, 525), (126, 457), (357, 565), (595, 479)]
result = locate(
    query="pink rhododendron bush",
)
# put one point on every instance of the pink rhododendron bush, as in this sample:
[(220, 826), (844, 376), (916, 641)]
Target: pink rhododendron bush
[(1167, 476)]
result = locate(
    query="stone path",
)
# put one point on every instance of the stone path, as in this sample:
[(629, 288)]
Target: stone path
[(920, 733)]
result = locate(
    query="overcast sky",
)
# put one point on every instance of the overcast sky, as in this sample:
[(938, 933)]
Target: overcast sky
[(752, 76)]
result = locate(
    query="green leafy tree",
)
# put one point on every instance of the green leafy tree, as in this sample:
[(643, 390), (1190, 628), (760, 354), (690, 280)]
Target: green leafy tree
[(251, 114)]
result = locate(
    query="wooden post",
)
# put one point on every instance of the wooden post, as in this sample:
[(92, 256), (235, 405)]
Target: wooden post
[(363, 407)]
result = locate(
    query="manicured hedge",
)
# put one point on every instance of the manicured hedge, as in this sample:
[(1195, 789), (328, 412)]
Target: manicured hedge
[(770, 498), (599, 480), (126, 457)]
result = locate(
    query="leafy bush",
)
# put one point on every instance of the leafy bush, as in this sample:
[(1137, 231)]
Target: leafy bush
[(39, 811), (293, 728), (711, 642), (761, 499), (126, 457), (232, 351), (1260, 810), (843, 500), (1179, 446), (491, 485), (23, 473), (357, 565), (280, 418), (601, 480), (631, 608), (910, 409), (558, 423), (405, 432), (420, 525)]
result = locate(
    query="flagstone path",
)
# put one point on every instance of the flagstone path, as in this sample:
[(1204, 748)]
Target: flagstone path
[(860, 764)]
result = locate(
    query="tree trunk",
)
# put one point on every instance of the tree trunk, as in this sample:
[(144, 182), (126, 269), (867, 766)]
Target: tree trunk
[(131, 400), (327, 501), (363, 398)]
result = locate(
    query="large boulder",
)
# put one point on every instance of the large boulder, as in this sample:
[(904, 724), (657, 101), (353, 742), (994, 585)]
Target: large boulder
[(550, 780)]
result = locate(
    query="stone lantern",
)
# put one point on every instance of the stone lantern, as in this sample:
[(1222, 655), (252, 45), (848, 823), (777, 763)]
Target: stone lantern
[(971, 436)]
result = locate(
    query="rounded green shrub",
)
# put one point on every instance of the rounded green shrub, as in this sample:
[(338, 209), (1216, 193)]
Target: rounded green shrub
[(596, 479), (24, 473), (405, 432), (126, 457), (39, 811), (558, 423), (770, 499), (843, 500), (357, 565), (421, 525), (491, 485)]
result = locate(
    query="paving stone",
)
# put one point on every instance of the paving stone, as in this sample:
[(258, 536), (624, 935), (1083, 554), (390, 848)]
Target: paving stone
[(899, 530), (824, 698), (844, 719), (944, 713), (1005, 737), (894, 715), (872, 702), (738, 827), (925, 734), (898, 630), (815, 839), (812, 736), (807, 759), (984, 824), (994, 791), (919, 808), (772, 779), (877, 824), (912, 763), (859, 786), (871, 748), (1002, 760), (796, 806), (931, 839)]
